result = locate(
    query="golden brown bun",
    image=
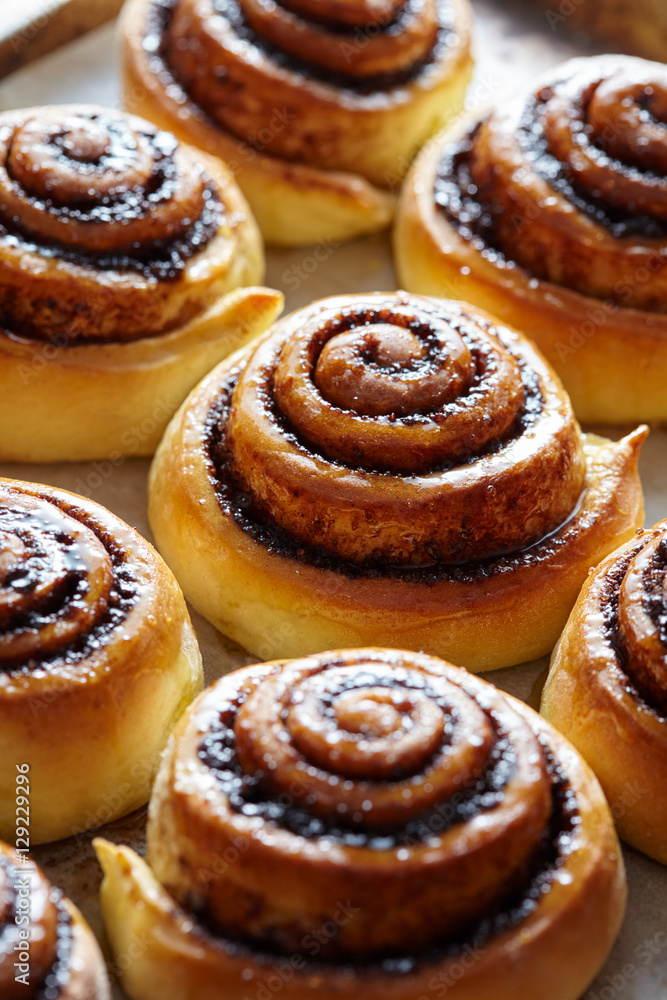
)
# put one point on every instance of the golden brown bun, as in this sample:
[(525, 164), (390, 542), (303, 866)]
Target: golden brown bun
[(607, 689), (317, 155), (118, 247), (372, 832), (592, 294), (97, 661), (465, 529), (48, 948)]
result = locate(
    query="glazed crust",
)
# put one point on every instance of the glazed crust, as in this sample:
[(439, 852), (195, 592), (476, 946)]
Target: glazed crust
[(62, 943), (349, 191), (101, 340), (120, 397), (79, 719), (590, 697), (612, 358), (543, 956), (291, 607)]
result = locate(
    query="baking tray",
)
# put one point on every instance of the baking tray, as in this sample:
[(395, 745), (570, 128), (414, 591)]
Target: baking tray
[(510, 49)]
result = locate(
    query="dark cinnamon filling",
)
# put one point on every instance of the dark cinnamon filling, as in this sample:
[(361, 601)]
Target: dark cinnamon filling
[(163, 260), (59, 975), (456, 194), (238, 504), (526, 418), (616, 220), (159, 18), (246, 795), (654, 587), (654, 605), (122, 598)]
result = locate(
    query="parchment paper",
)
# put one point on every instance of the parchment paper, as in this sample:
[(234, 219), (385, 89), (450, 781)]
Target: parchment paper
[(509, 51)]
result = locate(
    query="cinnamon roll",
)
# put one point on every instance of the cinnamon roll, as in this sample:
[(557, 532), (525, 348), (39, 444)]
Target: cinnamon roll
[(47, 950), (117, 248), (318, 106), (388, 469), (607, 689), (97, 661), (371, 821), (551, 213)]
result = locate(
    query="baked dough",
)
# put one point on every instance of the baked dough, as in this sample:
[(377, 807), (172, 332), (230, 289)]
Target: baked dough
[(384, 849), (118, 248), (389, 469), (551, 214), (607, 688), (48, 949), (97, 661), (317, 107)]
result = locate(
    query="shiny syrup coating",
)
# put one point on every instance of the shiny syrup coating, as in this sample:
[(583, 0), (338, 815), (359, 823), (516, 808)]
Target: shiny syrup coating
[(64, 583), (305, 467), (579, 163), (317, 704), (102, 190), (399, 44), (634, 608), (50, 927)]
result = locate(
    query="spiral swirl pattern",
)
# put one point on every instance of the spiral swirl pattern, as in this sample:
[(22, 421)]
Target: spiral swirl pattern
[(569, 182), (386, 778), (320, 84), (34, 925), (402, 430), (47, 950), (92, 629), (398, 36), (48, 929), (641, 621), (93, 194), (92, 180), (57, 580), (607, 686)]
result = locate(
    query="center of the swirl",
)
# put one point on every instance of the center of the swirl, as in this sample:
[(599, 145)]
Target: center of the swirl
[(55, 579), (79, 159), (392, 345), (364, 743), (369, 717), (370, 733), (384, 369), (86, 143)]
